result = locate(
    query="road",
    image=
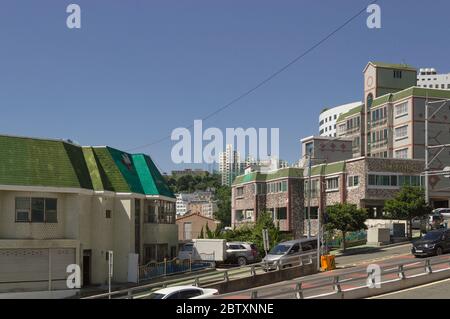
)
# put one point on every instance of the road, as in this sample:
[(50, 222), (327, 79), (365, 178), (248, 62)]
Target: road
[(435, 290), (358, 263)]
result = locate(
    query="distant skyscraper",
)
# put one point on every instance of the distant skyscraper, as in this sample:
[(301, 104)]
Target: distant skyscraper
[(230, 165)]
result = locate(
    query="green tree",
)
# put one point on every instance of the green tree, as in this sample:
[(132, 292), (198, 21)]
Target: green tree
[(407, 204), (223, 197), (345, 218), (201, 235)]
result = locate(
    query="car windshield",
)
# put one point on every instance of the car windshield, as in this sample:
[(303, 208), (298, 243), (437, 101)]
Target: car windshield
[(432, 236), (279, 249), (187, 248), (155, 296)]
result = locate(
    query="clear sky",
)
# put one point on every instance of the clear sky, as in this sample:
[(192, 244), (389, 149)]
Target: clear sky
[(138, 69)]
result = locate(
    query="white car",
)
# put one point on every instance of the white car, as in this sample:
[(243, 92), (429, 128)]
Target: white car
[(183, 292)]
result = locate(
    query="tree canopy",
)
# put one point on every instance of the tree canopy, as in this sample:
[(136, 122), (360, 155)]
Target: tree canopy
[(407, 204), (345, 218)]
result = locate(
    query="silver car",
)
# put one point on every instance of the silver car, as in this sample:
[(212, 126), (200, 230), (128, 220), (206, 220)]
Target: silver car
[(287, 254)]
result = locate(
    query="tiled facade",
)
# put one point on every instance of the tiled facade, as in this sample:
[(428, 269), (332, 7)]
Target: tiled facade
[(279, 193)]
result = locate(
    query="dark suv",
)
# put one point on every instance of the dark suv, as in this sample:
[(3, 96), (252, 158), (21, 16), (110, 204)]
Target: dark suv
[(435, 242)]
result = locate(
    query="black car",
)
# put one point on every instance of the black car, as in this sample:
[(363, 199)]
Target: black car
[(435, 242)]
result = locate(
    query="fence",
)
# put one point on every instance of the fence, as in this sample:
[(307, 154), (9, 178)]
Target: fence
[(175, 266), (336, 283), (352, 238), (204, 279)]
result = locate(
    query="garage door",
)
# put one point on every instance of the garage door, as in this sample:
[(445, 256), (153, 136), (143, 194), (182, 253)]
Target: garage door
[(31, 269)]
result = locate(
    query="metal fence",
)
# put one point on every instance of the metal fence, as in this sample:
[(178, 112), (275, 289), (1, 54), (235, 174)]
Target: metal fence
[(206, 278), (299, 288), (154, 270)]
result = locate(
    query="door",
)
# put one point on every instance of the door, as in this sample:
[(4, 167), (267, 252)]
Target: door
[(86, 268)]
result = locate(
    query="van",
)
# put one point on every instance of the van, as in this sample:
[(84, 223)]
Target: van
[(287, 254)]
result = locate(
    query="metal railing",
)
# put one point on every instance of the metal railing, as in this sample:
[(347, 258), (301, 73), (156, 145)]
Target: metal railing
[(335, 282), (209, 278), (174, 266)]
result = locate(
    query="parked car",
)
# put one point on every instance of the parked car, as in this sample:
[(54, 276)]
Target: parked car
[(183, 292), (435, 242), (287, 254), (241, 253)]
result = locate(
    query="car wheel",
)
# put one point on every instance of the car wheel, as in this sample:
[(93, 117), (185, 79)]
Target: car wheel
[(242, 261), (438, 251)]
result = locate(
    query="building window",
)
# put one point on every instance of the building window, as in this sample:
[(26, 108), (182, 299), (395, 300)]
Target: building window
[(282, 213), (401, 132), (260, 188), (369, 100), (314, 188), (108, 214), (284, 186), (397, 74), (383, 180), (240, 191), (352, 181), (36, 210), (332, 184), (403, 153), (401, 109)]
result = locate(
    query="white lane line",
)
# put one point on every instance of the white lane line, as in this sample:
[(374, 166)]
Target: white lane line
[(413, 288)]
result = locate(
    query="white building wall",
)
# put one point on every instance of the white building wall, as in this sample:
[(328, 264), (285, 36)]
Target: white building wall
[(429, 78), (327, 119)]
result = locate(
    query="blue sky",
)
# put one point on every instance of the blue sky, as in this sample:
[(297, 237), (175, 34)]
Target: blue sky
[(138, 69)]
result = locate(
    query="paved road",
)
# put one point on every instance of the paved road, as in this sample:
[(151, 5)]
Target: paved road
[(436, 290), (358, 263)]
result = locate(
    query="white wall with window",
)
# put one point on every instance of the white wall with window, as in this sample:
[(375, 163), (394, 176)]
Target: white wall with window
[(402, 153), (401, 132), (401, 109)]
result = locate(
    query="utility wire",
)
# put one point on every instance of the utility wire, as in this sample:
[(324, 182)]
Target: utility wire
[(269, 78)]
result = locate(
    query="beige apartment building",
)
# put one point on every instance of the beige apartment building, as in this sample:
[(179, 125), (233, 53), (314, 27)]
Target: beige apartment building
[(62, 204)]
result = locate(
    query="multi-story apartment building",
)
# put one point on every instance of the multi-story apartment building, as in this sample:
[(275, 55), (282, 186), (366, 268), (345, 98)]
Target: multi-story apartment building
[(323, 149), (366, 182), (429, 78), (328, 117), (230, 165), (197, 202), (63, 204), (279, 192)]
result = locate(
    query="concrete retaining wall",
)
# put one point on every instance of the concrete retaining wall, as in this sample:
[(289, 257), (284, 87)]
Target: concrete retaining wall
[(263, 279)]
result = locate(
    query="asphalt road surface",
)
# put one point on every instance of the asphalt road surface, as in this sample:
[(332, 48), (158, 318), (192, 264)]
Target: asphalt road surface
[(435, 290), (358, 263)]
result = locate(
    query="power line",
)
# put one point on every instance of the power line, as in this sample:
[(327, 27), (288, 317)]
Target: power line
[(269, 78)]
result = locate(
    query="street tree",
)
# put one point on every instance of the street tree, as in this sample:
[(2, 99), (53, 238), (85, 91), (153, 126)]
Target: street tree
[(345, 218), (408, 204)]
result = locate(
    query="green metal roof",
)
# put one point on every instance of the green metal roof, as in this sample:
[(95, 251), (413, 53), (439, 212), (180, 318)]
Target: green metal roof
[(394, 66), (290, 172), (38, 162), (56, 163), (327, 169), (353, 111), (152, 181), (412, 91)]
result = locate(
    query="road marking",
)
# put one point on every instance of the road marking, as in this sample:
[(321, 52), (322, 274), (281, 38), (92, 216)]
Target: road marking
[(410, 289)]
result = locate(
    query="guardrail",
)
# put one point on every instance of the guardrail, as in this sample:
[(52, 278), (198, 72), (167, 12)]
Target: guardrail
[(175, 266), (335, 282), (209, 278)]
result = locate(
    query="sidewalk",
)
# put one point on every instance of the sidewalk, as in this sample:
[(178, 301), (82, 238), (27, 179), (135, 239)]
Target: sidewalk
[(365, 249)]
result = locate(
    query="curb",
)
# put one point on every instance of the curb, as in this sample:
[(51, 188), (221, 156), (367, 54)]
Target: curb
[(365, 250)]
